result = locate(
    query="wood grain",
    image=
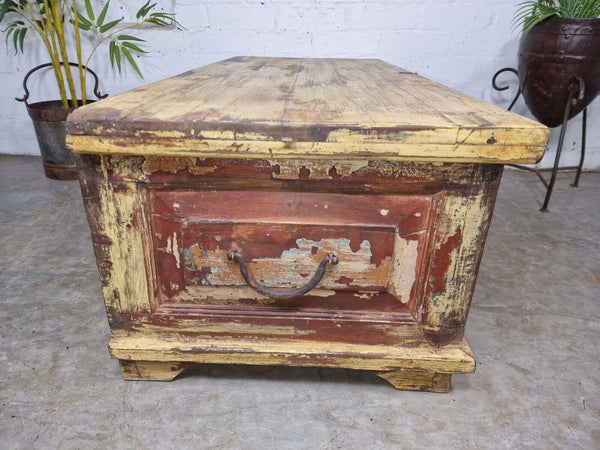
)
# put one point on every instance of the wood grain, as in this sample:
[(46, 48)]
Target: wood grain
[(286, 160), (381, 358), (418, 381), (305, 108)]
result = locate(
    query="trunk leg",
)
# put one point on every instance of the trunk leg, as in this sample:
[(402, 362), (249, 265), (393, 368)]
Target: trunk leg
[(151, 370), (417, 381)]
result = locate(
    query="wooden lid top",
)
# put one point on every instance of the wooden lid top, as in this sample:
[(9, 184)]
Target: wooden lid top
[(248, 107)]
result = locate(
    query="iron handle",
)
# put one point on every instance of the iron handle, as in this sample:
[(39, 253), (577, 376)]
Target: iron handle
[(233, 255), (42, 66)]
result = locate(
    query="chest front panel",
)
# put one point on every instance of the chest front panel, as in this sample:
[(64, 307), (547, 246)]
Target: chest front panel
[(392, 227)]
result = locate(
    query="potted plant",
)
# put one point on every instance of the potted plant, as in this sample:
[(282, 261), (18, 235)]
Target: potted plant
[(559, 56), (70, 32)]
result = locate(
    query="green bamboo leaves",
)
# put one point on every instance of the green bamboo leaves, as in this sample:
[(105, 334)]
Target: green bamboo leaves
[(18, 30), (122, 47), (58, 22), (532, 12)]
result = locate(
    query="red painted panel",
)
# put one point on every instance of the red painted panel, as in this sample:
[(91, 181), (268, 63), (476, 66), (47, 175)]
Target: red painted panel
[(283, 237)]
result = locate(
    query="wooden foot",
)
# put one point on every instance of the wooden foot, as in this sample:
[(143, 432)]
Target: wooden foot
[(417, 381), (151, 370)]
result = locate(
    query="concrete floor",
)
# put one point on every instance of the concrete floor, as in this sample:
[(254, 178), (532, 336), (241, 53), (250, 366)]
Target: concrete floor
[(534, 327)]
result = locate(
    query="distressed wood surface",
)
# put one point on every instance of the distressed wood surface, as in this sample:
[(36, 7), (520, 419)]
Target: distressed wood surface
[(278, 108), (410, 236), (286, 161), (381, 358), (151, 370)]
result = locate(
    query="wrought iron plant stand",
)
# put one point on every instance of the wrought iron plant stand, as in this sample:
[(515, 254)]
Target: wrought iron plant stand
[(576, 92), (559, 76)]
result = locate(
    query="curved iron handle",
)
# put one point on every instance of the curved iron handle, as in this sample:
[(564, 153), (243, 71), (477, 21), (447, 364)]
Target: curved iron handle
[(97, 93), (233, 255), (503, 88)]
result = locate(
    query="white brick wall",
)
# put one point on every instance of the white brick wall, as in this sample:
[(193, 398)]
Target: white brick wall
[(460, 43)]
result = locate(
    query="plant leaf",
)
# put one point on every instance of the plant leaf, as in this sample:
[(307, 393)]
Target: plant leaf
[(16, 40), (102, 15), (132, 62), (144, 10), (157, 21), (118, 57), (89, 9), (134, 47), (167, 18), (111, 53), (148, 9), (127, 37), (104, 28), (22, 38), (9, 31), (139, 13), (84, 23), (4, 8)]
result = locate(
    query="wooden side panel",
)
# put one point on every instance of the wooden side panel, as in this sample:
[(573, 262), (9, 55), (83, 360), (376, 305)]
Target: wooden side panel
[(154, 232), (459, 240), (120, 235)]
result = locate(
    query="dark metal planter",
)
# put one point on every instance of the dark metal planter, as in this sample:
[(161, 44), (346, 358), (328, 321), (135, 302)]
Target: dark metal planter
[(553, 56), (49, 121)]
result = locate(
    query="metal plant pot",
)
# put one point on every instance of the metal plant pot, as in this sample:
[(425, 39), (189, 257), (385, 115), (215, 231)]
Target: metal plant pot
[(556, 56), (49, 121)]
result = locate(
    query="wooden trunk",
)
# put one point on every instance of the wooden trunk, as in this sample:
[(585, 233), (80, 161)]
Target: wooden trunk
[(287, 161)]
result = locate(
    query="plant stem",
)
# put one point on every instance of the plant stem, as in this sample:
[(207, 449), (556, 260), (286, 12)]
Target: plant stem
[(110, 36), (60, 34), (51, 46), (82, 74)]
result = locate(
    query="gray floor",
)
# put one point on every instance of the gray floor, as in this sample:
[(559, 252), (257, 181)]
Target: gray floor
[(534, 328)]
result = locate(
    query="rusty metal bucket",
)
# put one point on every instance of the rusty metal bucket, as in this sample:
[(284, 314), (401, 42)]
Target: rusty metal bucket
[(49, 121), (555, 54)]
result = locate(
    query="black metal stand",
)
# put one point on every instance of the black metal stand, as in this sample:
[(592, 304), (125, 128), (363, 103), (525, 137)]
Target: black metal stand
[(576, 91)]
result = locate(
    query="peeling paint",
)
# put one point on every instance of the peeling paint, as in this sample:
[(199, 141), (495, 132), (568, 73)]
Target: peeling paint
[(175, 251), (174, 165), (315, 170), (293, 265), (364, 295), (231, 295), (160, 134), (404, 268)]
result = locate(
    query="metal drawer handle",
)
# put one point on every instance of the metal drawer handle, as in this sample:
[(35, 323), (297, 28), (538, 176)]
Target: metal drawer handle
[(233, 255)]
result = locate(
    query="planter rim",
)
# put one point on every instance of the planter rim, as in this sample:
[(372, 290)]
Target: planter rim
[(50, 110), (569, 25)]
